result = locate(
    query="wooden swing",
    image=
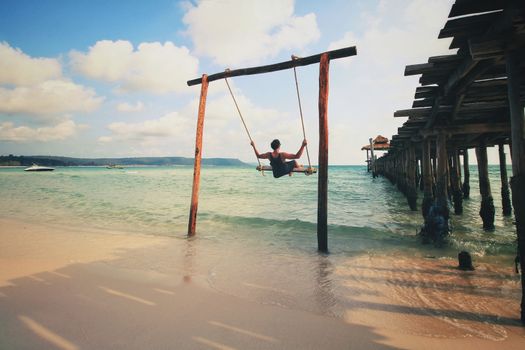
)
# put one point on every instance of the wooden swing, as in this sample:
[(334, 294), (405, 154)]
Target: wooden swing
[(262, 168), (322, 179)]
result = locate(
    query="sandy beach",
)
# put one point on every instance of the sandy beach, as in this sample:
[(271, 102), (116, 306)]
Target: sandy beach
[(87, 289)]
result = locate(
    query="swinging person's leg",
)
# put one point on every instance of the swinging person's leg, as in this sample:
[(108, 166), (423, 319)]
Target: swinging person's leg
[(291, 165)]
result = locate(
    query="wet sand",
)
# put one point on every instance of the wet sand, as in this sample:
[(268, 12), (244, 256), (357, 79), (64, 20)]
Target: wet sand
[(86, 289)]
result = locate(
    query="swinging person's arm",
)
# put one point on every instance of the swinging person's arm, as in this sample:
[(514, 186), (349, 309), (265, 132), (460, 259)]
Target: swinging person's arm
[(297, 155), (257, 154)]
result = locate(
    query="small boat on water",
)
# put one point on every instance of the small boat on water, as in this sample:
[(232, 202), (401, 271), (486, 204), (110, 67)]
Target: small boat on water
[(114, 166), (35, 167)]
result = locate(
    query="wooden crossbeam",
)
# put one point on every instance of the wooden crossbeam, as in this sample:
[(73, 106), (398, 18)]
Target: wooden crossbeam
[(296, 62), (425, 102), (421, 112), (414, 69), (466, 26), (466, 7), (494, 46), (479, 128), (445, 59), (426, 92)]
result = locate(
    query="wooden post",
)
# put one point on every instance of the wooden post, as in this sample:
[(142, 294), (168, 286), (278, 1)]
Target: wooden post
[(455, 179), (367, 162), (517, 182), (419, 174), (434, 169), (442, 176), (411, 191), (487, 210), (322, 196), (373, 160), (441, 171), (198, 156), (437, 216), (428, 197), (505, 193), (466, 175)]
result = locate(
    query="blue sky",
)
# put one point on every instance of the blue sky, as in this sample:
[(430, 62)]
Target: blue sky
[(107, 78)]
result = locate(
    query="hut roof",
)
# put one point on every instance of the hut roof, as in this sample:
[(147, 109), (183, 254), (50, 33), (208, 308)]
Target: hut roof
[(380, 144), (380, 139), (378, 147)]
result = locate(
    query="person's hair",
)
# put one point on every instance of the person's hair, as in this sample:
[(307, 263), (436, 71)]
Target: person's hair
[(275, 144)]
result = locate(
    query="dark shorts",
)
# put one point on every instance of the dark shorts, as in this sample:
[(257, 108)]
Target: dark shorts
[(285, 169)]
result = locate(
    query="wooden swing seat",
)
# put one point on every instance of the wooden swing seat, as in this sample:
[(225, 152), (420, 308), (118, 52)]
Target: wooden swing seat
[(306, 171)]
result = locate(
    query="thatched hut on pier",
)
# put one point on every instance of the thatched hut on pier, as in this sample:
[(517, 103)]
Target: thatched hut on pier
[(380, 143)]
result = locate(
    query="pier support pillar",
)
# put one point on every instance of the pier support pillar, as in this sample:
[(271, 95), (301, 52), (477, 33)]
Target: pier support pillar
[(436, 221), (322, 189), (198, 156), (367, 161), (411, 190), (466, 175), (434, 171), (455, 179), (372, 158), (420, 175), (505, 193), (428, 196), (487, 210), (517, 183)]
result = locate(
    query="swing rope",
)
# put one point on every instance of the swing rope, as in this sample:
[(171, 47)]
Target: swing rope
[(301, 113), (242, 119)]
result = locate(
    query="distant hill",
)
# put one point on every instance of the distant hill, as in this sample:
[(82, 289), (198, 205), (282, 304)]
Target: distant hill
[(12, 160)]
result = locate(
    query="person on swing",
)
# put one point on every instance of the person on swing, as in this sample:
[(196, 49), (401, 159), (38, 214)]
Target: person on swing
[(280, 167)]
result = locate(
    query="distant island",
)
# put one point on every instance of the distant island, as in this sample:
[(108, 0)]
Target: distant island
[(12, 160)]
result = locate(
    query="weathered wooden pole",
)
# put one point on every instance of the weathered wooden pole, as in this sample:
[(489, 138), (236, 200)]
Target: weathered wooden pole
[(372, 159), (487, 210), (428, 196), (466, 175), (434, 169), (442, 182), (322, 198), (505, 193), (442, 170), (455, 179), (437, 216), (401, 180), (419, 174), (198, 156), (517, 182), (411, 191), (367, 161)]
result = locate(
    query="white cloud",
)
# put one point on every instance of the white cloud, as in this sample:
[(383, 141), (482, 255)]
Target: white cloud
[(234, 32), (61, 131), (128, 107), (18, 68), (48, 98), (224, 134), (153, 67), (166, 126), (371, 86)]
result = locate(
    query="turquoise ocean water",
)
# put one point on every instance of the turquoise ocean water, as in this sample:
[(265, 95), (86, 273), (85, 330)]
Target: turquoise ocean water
[(256, 239), (237, 203)]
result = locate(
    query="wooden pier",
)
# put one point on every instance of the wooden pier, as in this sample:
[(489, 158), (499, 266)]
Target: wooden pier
[(472, 99)]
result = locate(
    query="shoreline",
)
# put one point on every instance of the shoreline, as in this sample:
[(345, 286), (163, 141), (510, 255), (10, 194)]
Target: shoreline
[(75, 289)]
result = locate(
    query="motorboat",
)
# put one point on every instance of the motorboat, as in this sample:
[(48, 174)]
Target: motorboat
[(114, 166), (35, 167)]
